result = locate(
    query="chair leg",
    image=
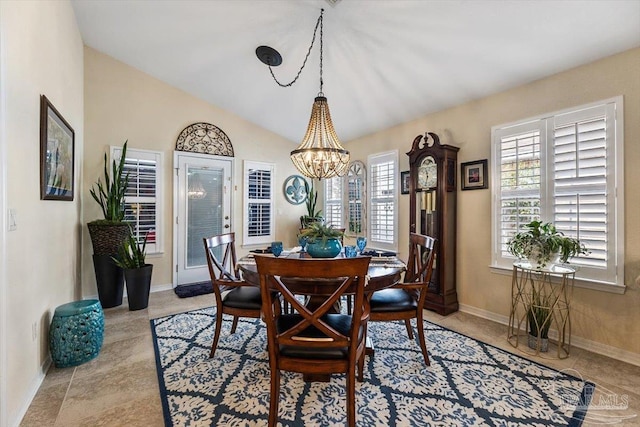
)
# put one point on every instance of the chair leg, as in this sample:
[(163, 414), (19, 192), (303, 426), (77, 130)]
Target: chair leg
[(423, 343), (234, 324), (361, 368), (216, 334), (274, 398), (351, 397), (349, 303), (407, 323)]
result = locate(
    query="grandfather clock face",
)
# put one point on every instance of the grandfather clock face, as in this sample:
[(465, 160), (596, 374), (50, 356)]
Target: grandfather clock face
[(427, 173)]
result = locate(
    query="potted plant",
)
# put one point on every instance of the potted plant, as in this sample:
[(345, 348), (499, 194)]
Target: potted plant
[(311, 202), (539, 319), (323, 241), (137, 273), (541, 244), (108, 234)]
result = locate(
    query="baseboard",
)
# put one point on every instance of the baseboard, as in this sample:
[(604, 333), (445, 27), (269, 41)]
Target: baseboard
[(32, 391), (156, 288), (583, 343)]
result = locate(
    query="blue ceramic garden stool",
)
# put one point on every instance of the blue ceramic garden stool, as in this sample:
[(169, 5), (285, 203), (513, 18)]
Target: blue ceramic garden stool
[(76, 333)]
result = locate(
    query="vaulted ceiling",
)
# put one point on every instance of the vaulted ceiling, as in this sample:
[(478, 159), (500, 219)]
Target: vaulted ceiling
[(385, 62)]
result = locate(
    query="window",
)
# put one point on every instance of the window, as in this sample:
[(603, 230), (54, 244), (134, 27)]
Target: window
[(258, 203), (383, 215), (142, 200), (333, 201), (355, 184), (564, 168), (344, 199)]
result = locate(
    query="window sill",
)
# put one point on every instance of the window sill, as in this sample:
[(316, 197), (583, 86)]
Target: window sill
[(579, 283)]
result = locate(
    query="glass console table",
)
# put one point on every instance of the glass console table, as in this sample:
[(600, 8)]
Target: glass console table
[(540, 300)]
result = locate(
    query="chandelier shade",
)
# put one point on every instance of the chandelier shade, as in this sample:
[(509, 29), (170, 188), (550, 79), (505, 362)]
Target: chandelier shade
[(320, 154)]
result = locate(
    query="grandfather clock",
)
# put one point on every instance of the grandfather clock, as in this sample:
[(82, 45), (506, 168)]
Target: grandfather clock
[(432, 192)]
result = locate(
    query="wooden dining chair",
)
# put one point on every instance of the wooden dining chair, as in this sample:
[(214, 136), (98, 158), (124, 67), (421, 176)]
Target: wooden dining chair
[(314, 340), (234, 296), (405, 301)]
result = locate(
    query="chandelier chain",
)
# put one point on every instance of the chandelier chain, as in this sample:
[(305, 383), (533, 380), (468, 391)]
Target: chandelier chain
[(318, 23), (321, 48)]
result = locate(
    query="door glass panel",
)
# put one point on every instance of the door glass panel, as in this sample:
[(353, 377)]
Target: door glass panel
[(205, 210)]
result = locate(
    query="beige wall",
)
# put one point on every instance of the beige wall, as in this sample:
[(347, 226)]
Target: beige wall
[(122, 103), (603, 320), (41, 54)]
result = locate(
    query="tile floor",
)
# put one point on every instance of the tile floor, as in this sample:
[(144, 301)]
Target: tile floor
[(120, 386)]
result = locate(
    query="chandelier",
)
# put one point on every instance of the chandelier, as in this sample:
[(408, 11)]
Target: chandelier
[(320, 154)]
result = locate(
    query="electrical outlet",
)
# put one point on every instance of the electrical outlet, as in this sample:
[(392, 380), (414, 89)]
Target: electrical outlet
[(34, 331)]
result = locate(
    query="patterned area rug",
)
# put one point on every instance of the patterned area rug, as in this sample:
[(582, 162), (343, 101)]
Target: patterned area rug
[(469, 383)]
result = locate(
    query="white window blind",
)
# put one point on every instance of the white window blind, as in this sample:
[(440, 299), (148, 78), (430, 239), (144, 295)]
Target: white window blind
[(566, 169), (258, 203), (355, 183), (143, 194), (383, 169), (333, 201)]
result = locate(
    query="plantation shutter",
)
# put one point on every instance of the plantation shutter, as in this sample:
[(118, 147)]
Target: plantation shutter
[(258, 190), (519, 181), (333, 201), (142, 195), (355, 183), (581, 196), (383, 201)]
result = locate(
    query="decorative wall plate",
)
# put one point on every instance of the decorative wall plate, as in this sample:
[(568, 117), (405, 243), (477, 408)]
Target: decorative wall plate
[(294, 189)]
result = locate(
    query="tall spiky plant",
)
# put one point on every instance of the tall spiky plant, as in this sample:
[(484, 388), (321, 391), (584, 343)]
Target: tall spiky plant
[(132, 254), (110, 195)]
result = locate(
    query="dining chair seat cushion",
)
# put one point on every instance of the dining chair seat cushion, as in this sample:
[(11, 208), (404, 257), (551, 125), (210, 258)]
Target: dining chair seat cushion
[(339, 322), (392, 300), (247, 297)]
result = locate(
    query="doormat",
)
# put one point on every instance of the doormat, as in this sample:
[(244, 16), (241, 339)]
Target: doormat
[(193, 289)]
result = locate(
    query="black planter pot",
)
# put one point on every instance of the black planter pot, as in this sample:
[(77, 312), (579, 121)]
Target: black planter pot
[(138, 282), (109, 280)]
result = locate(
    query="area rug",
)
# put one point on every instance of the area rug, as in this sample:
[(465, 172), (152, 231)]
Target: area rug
[(469, 383), (193, 289)]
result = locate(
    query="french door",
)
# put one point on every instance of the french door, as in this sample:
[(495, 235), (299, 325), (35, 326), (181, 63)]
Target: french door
[(202, 208)]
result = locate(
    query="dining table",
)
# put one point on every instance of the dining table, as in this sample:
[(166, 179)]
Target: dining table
[(383, 272)]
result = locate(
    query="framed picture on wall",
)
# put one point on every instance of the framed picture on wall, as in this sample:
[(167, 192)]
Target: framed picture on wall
[(404, 182), (56, 154), (474, 175)]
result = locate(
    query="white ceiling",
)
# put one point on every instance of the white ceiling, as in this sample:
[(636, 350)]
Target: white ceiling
[(385, 62)]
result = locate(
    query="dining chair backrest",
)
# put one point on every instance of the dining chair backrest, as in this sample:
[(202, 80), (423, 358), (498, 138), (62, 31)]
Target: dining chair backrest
[(421, 258), (221, 256), (314, 340), (325, 278)]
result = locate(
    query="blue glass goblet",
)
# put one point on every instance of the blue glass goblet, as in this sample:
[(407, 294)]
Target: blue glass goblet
[(302, 241), (276, 248), (361, 242)]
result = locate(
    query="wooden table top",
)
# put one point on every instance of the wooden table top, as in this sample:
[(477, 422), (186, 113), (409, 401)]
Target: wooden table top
[(383, 271)]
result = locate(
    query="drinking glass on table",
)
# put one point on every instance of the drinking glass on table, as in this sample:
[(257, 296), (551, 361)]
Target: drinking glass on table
[(361, 242), (302, 241), (276, 248), (350, 252)]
